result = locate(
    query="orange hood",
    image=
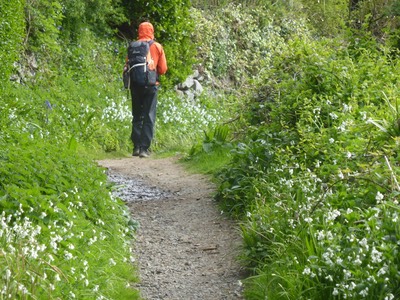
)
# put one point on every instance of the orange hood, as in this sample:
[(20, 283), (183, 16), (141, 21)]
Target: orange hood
[(146, 31)]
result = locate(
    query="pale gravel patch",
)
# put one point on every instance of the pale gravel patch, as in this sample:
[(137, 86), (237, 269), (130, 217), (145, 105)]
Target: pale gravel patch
[(185, 248)]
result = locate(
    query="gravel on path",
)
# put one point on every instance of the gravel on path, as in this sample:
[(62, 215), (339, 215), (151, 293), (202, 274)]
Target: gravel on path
[(185, 248)]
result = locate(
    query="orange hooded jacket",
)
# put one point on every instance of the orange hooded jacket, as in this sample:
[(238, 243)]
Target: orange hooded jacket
[(146, 33)]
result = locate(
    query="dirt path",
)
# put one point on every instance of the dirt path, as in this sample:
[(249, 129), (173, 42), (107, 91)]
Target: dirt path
[(185, 248)]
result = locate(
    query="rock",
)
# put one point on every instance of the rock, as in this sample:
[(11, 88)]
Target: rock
[(187, 84), (189, 94), (191, 87), (32, 63), (180, 93), (196, 74), (198, 88)]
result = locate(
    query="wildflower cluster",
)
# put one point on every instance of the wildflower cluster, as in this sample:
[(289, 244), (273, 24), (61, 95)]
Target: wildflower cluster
[(116, 111), (319, 185), (185, 119), (60, 237), (188, 115)]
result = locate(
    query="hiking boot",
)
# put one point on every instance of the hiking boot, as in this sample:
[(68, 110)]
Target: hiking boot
[(144, 153), (136, 152)]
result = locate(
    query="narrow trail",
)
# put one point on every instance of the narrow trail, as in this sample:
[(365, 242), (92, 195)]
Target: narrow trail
[(185, 248)]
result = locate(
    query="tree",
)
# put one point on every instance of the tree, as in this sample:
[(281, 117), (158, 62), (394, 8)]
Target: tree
[(173, 28)]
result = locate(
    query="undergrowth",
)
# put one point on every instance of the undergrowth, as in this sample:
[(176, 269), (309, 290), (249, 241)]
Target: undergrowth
[(303, 133), (62, 234), (316, 184)]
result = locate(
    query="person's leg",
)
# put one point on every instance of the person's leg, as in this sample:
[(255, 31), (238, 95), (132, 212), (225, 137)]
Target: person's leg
[(137, 118), (149, 117)]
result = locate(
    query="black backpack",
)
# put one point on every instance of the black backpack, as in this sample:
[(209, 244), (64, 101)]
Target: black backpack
[(141, 67)]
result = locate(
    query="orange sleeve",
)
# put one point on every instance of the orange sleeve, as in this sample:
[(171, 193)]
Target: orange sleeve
[(158, 55)]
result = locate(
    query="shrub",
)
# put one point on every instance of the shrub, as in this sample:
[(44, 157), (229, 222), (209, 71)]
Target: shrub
[(317, 183)]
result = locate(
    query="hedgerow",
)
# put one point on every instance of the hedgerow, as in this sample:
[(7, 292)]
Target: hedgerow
[(316, 184)]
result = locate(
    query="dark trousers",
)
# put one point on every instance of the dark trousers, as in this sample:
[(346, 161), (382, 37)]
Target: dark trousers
[(144, 105)]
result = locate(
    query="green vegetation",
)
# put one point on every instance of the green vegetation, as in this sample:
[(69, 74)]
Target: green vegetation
[(62, 234), (299, 121), (315, 182)]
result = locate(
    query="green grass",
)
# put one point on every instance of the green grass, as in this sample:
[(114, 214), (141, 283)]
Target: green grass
[(207, 163), (58, 202)]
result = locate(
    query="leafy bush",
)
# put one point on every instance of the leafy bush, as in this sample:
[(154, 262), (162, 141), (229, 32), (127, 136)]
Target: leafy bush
[(97, 15), (317, 183)]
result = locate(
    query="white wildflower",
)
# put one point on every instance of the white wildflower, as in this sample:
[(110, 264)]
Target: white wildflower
[(357, 261), (379, 197), (68, 255), (329, 277), (8, 275), (320, 235), (364, 243), (364, 292), (306, 271), (308, 220), (346, 108), (346, 274), (352, 286), (333, 116), (376, 256), (112, 262), (389, 297)]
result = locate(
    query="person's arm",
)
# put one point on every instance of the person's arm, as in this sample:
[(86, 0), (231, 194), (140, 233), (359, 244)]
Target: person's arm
[(162, 62)]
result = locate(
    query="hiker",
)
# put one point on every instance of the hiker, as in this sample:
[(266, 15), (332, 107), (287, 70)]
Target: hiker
[(144, 87)]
